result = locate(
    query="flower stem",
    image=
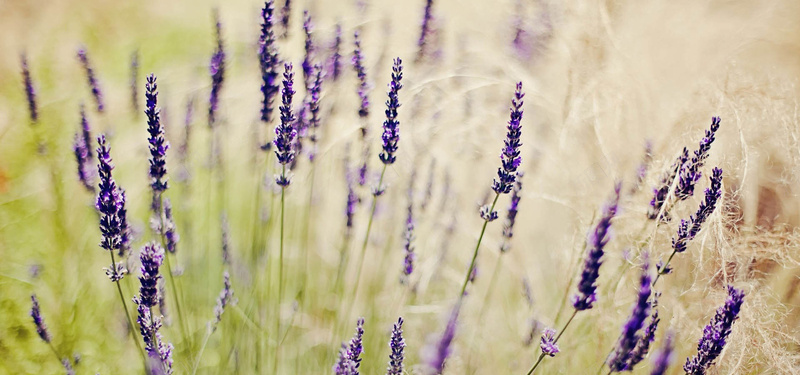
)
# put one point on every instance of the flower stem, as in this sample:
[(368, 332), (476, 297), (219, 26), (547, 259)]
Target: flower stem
[(280, 275), (477, 247), (131, 327), (541, 356), (200, 353)]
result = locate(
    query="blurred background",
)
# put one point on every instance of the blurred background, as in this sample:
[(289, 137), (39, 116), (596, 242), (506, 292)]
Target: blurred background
[(602, 79)]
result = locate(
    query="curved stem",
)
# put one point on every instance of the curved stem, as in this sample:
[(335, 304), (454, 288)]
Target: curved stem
[(477, 247), (364, 244), (200, 353)]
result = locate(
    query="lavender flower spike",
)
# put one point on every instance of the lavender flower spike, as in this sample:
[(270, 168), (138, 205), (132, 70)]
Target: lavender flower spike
[(427, 27), (313, 109), (30, 92), (356, 347), (285, 131), (664, 356), (134, 80), (151, 257), (111, 206), (308, 57), (286, 11), (169, 229), (715, 334), (268, 60), (157, 144), (548, 343), (690, 172), (408, 246), (225, 298), (38, 321), (335, 64), (511, 217), (344, 366), (397, 344), (506, 175), (660, 193), (598, 238), (442, 350), (93, 83), (391, 127), (688, 229), (83, 153), (363, 85), (630, 338), (217, 70), (648, 335)]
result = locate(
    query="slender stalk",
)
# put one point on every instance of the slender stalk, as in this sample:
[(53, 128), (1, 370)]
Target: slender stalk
[(541, 356), (131, 327), (53, 348), (492, 281), (364, 244), (280, 277), (186, 337), (200, 353), (475, 254)]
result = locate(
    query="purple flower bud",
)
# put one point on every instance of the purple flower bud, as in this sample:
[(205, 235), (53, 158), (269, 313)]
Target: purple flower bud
[(510, 156), (391, 127), (225, 298), (356, 347), (30, 92), (598, 238), (335, 64), (487, 213), (36, 314), (438, 354), (426, 31), (690, 171), (664, 356), (397, 344), (660, 193), (715, 334), (158, 146), (217, 70), (134, 80), (688, 229), (286, 11), (83, 154), (169, 229), (630, 337), (548, 343), (363, 87), (90, 77), (268, 60), (285, 131), (110, 204), (511, 217)]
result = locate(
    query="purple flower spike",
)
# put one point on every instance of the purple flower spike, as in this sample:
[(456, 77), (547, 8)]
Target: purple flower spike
[(83, 153), (38, 321), (715, 334), (397, 344), (313, 109), (648, 336), (690, 171), (598, 238), (157, 144), (134, 80), (511, 217), (548, 343), (630, 338), (510, 158), (225, 298), (285, 131), (426, 31), (169, 229), (268, 59), (408, 246), (442, 349), (688, 229), (391, 127), (286, 11), (344, 366), (664, 356), (356, 347), (94, 85), (110, 204), (30, 92), (363, 85), (335, 64), (217, 70), (152, 255), (660, 193), (308, 65)]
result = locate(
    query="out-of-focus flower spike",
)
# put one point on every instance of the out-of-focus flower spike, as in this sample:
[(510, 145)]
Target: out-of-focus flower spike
[(30, 91), (94, 85)]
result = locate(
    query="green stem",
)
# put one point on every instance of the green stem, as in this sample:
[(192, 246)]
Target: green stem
[(364, 245), (477, 247), (280, 276), (200, 353), (186, 337), (131, 327), (541, 356)]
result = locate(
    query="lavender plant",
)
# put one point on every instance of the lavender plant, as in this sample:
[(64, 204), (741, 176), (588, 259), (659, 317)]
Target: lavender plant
[(268, 61), (30, 91), (94, 85), (151, 257), (397, 346), (715, 334), (83, 153), (217, 70)]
